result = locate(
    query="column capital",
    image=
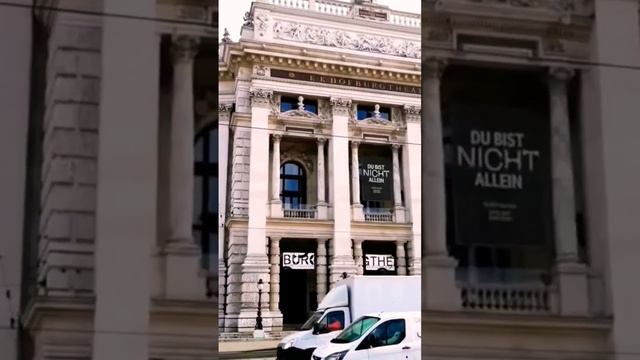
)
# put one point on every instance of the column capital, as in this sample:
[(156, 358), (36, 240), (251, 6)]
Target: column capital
[(277, 136), (321, 140), (322, 240), (357, 242), (561, 73), (275, 239), (355, 143), (340, 104), (401, 242), (434, 67), (396, 146), (225, 107), (184, 47), (261, 97), (411, 113)]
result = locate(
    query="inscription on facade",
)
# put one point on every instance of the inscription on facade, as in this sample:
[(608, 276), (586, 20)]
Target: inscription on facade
[(335, 80)]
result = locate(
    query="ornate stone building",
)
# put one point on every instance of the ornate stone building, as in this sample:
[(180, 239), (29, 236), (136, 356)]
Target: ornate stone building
[(533, 265), (112, 105), (319, 135)]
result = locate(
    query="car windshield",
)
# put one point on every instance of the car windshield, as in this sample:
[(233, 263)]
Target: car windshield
[(308, 325), (354, 331)]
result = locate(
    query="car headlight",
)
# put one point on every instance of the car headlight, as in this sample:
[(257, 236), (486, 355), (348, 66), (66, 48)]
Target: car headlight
[(336, 356), (288, 344)]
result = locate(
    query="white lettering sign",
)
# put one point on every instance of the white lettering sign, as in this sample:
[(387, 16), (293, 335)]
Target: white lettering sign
[(500, 158), (299, 260), (375, 262)]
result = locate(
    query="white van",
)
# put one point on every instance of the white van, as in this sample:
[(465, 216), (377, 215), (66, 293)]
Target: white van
[(382, 336), (350, 299)]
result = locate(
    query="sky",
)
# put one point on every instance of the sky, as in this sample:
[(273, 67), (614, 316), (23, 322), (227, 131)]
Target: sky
[(231, 13)]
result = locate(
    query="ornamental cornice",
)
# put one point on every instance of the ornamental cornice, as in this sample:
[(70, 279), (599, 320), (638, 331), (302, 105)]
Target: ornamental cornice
[(349, 40)]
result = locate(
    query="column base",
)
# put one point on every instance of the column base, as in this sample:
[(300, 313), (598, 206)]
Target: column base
[(245, 321), (275, 209), (322, 210), (439, 284), (340, 265), (400, 214), (415, 266), (573, 288), (182, 280), (357, 214)]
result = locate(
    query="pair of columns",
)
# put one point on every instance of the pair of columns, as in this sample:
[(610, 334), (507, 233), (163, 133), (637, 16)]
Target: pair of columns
[(276, 204), (400, 255), (356, 206), (274, 278), (439, 276)]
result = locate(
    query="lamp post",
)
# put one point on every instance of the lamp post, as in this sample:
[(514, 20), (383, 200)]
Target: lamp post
[(259, 318)]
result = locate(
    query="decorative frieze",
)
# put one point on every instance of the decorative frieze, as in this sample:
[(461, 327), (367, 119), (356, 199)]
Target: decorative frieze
[(318, 35)]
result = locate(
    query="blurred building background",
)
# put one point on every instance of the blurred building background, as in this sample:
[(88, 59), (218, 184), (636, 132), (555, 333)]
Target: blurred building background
[(529, 255), (108, 234)]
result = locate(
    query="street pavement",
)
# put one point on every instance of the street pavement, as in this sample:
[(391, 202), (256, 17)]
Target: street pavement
[(248, 349)]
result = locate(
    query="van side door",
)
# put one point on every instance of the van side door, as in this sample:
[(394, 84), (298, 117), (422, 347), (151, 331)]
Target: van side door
[(387, 340)]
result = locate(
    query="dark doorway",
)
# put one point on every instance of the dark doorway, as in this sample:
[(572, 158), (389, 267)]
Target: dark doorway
[(297, 286), (379, 248)]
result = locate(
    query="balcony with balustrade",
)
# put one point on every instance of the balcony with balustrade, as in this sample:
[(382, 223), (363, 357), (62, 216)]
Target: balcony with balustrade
[(372, 12)]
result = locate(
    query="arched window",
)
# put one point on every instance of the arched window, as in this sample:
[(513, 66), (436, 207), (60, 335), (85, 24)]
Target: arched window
[(293, 186), (205, 204)]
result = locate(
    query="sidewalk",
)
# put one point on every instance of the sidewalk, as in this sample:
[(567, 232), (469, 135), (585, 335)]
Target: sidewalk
[(246, 345), (248, 349)]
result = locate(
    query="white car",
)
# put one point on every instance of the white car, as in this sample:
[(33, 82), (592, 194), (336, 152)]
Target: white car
[(378, 336)]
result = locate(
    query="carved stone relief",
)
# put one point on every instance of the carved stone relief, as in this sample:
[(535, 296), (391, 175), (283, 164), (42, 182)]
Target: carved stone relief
[(346, 40)]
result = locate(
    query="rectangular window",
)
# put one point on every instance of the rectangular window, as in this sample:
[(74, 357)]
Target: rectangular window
[(291, 103), (367, 111)]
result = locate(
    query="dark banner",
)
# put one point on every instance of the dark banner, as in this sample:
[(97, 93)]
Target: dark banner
[(376, 178), (501, 177)]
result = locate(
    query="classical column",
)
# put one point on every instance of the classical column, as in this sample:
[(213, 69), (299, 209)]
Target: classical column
[(356, 206), (411, 154), (274, 289), (397, 186), (276, 204), (182, 261), (256, 265), (322, 202), (224, 118), (402, 258), (358, 256), (571, 275), (181, 144), (321, 269), (439, 277), (342, 260)]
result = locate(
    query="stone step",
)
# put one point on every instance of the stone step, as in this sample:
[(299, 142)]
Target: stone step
[(269, 335)]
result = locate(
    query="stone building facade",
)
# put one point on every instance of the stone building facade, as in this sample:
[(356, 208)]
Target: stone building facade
[(112, 105), (313, 96)]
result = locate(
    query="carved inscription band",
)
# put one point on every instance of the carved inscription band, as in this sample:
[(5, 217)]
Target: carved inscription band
[(334, 80)]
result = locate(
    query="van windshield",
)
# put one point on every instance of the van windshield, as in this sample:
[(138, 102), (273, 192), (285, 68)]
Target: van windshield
[(354, 331), (308, 325)]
